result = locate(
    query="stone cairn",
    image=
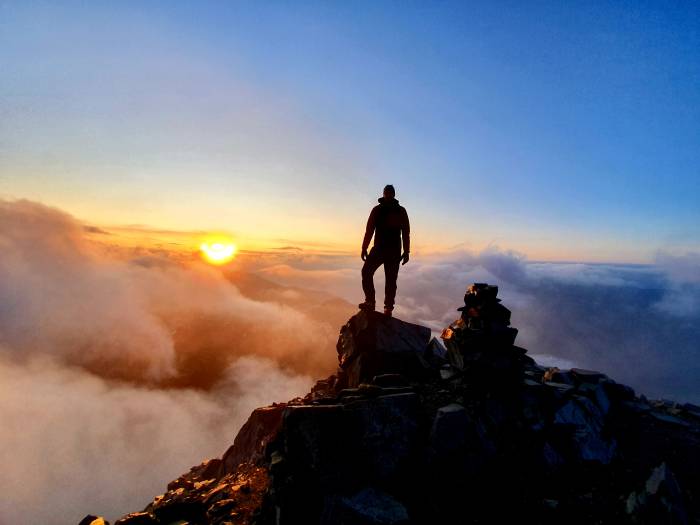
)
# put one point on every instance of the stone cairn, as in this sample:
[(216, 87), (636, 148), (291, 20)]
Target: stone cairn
[(484, 324)]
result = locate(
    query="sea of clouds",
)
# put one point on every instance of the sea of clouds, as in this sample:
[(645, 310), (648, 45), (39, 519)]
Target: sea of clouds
[(117, 374)]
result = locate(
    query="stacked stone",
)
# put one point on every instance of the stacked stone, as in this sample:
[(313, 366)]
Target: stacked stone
[(484, 324)]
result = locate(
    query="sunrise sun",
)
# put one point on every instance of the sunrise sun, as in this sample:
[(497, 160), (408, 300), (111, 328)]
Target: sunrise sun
[(219, 251)]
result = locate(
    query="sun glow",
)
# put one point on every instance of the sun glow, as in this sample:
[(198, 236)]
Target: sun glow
[(219, 251)]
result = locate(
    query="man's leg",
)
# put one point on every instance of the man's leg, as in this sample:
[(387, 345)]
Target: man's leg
[(372, 262), (391, 272)]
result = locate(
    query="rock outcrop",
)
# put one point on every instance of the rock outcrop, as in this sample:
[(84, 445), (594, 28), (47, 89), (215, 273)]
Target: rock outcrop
[(411, 432)]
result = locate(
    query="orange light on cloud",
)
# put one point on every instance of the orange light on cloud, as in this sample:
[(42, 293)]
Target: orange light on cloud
[(218, 251)]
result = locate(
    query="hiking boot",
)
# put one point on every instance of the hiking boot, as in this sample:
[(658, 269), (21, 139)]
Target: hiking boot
[(366, 306), (388, 310)]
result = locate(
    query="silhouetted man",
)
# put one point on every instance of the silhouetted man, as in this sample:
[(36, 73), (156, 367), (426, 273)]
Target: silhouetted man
[(388, 222)]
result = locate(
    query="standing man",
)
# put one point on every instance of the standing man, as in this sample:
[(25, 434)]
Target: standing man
[(388, 222)]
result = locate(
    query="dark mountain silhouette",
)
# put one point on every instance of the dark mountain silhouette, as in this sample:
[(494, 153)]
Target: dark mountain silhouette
[(409, 431)]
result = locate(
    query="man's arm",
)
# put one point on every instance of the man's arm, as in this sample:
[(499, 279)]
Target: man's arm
[(369, 231), (406, 233)]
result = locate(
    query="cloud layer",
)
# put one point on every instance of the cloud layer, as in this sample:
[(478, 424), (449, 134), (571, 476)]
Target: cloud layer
[(118, 373), (116, 376)]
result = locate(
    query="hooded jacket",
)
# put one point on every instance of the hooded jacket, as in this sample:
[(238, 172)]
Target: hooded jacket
[(388, 221)]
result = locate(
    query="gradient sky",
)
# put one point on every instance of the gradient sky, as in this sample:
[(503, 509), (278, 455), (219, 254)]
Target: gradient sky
[(563, 131)]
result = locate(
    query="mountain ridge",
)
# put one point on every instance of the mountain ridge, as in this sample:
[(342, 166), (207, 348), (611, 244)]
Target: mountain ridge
[(409, 431)]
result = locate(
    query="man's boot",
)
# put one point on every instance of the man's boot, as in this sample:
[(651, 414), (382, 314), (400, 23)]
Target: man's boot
[(388, 310), (367, 305)]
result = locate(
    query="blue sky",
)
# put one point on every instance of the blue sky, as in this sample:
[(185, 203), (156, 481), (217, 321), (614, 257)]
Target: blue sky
[(562, 131)]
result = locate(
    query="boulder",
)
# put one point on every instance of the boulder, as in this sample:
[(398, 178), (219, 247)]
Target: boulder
[(390, 380), (93, 520), (597, 393), (137, 518), (437, 353), (209, 469), (659, 501), (367, 507), (315, 442), (250, 442), (691, 409), (179, 505), (330, 444), (585, 422), (587, 376), (384, 432), (618, 391), (372, 344), (457, 441)]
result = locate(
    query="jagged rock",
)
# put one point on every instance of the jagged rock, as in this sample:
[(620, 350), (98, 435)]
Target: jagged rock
[(389, 380), (587, 376), (586, 422), (250, 442), (450, 428), (137, 518), (668, 418), (551, 458), (563, 388), (221, 509), (449, 372), (178, 505), (692, 409), (554, 375), (386, 429), (437, 353), (458, 441), (391, 390), (368, 507), (372, 344), (369, 389), (659, 502), (597, 393), (372, 434), (345, 392), (93, 520), (209, 469), (635, 406), (314, 438), (323, 392), (618, 392)]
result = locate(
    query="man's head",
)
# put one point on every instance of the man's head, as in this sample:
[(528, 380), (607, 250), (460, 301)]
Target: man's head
[(389, 192)]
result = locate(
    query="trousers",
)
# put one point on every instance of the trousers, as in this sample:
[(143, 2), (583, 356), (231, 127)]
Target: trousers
[(391, 260)]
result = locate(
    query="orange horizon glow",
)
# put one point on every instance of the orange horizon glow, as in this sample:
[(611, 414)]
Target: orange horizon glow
[(187, 244)]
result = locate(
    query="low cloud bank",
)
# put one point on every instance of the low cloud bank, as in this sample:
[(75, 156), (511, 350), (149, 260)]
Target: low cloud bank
[(143, 320), (72, 442), (116, 376)]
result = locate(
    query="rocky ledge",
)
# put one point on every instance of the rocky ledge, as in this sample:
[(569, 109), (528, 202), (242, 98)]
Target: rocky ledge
[(410, 431)]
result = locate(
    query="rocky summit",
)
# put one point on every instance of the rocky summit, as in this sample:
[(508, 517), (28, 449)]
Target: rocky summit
[(412, 430)]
